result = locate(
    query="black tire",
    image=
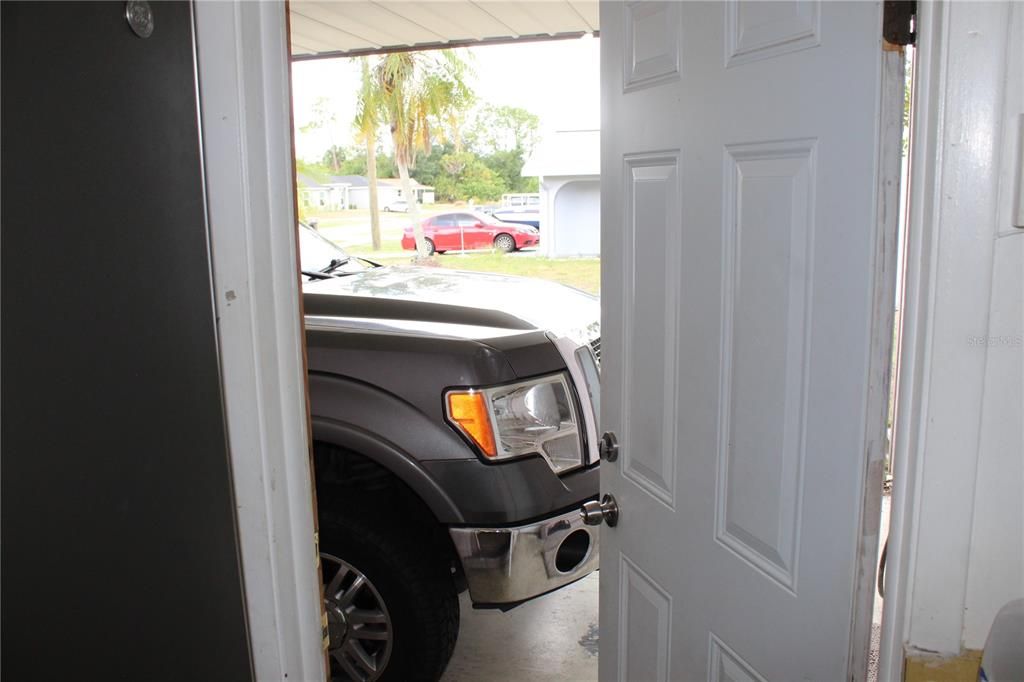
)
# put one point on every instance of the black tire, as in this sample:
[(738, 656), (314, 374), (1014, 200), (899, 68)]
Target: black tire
[(415, 585), (505, 243), (431, 249)]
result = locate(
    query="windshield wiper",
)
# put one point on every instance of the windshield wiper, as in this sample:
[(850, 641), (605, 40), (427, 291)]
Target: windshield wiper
[(335, 264), (367, 260), (329, 271), (320, 274)]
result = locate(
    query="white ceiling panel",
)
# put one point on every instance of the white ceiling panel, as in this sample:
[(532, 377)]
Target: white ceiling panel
[(309, 30), (533, 18), (588, 11), (455, 21), (339, 27), (373, 24), (309, 47), (313, 45)]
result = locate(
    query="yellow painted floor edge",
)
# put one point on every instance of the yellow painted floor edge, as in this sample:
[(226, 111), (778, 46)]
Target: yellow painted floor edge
[(927, 668)]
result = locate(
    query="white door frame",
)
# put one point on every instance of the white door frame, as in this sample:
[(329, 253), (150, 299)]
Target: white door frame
[(911, 352), (245, 109), (948, 286)]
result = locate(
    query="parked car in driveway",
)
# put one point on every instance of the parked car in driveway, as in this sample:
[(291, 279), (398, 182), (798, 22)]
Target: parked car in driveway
[(524, 216), (471, 230), (455, 443), (399, 206)]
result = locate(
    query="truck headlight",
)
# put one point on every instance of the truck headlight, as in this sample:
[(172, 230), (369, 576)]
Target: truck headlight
[(538, 416)]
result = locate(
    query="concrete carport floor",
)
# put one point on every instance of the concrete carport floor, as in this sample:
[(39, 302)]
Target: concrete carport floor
[(550, 639), (554, 638)]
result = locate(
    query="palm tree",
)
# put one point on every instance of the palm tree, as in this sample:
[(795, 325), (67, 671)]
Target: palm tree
[(366, 123), (420, 91)]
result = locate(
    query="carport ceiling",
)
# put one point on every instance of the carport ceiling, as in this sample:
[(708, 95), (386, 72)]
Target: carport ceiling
[(348, 28)]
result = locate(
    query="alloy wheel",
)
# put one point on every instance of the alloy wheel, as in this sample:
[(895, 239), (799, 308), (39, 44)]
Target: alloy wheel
[(504, 242), (361, 633)]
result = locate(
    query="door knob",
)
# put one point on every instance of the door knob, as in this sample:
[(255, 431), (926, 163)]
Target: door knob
[(608, 448), (594, 512)]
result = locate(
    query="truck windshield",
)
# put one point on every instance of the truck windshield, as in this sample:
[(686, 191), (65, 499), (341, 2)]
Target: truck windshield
[(317, 254)]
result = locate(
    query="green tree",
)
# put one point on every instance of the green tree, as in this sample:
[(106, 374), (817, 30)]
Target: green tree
[(504, 128), (366, 123), (420, 92), (325, 118), (334, 158), (504, 136), (356, 163), (317, 171), (509, 166), (464, 176), (428, 168)]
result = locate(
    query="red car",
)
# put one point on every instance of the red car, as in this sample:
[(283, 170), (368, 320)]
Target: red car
[(459, 231)]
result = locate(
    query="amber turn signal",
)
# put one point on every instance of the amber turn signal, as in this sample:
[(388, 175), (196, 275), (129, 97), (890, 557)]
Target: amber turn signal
[(469, 412)]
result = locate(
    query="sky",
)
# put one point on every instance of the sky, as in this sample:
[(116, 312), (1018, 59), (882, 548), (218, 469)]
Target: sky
[(558, 80)]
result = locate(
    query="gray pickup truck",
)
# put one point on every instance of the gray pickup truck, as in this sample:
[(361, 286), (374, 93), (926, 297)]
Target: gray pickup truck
[(455, 441)]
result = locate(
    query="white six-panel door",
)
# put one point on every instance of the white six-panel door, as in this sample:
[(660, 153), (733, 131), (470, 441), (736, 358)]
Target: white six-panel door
[(740, 161)]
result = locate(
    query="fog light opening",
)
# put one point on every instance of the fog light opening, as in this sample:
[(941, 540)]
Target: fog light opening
[(573, 551)]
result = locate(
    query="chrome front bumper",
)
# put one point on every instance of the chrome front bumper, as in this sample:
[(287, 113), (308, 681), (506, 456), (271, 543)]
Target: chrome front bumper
[(508, 565)]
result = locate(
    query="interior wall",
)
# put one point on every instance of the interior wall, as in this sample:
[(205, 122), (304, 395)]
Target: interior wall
[(120, 554), (995, 574), (995, 571)]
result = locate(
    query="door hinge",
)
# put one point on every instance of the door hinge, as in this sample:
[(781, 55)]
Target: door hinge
[(898, 22)]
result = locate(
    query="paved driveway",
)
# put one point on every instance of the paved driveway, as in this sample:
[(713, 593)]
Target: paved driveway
[(551, 639)]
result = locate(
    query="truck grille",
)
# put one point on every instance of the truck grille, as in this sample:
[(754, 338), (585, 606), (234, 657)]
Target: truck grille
[(595, 346)]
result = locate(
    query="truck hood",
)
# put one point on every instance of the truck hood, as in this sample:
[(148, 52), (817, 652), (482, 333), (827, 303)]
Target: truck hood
[(447, 302)]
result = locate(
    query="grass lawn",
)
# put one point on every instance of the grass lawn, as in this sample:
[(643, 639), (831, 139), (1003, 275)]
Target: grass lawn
[(582, 273), (350, 230)]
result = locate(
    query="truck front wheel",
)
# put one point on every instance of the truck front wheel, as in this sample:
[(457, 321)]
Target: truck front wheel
[(392, 607)]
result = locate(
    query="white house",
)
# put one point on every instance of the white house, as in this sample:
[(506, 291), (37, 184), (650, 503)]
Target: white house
[(332, 195), (342, 192), (568, 164), (389, 190)]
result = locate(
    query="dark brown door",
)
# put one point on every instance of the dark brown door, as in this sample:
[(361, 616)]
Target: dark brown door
[(120, 555)]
